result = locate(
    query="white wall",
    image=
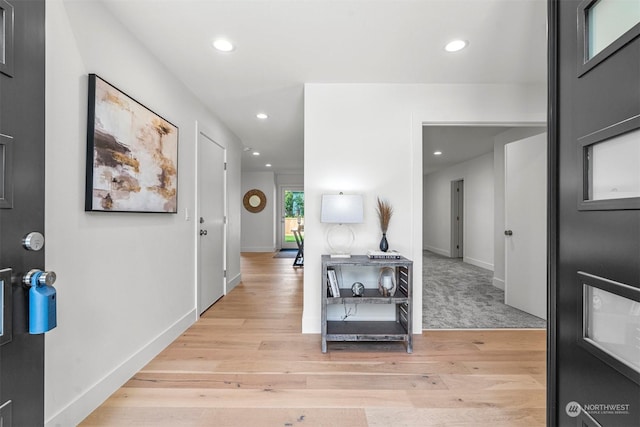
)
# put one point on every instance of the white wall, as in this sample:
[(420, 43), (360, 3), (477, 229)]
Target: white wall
[(501, 140), (259, 229), (290, 179), (478, 210), (126, 283), (367, 139)]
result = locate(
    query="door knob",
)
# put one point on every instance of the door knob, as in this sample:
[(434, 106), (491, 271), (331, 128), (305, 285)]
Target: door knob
[(508, 233), (38, 277), (203, 232)]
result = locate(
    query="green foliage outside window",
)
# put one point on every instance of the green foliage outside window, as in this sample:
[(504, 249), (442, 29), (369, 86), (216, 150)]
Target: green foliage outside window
[(294, 204)]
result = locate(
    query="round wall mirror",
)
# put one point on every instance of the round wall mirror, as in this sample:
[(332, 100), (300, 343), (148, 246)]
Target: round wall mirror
[(254, 201)]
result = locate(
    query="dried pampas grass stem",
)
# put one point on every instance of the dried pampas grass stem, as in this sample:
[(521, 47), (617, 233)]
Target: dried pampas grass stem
[(385, 211)]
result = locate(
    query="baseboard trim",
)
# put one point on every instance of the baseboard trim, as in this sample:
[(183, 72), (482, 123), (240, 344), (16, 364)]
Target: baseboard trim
[(258, 249), (439, 251), (478, 263), (87, 402), (234, 282), (481, 329), (498, 283), (310, 326)]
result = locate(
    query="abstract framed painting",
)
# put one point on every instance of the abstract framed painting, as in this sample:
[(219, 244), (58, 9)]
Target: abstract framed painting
[(132, 154)]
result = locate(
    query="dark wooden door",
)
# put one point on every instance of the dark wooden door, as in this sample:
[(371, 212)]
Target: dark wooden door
[(594, 329), (21, 202)]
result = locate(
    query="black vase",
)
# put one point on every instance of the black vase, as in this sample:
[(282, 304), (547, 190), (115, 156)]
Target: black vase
[(384, 245)]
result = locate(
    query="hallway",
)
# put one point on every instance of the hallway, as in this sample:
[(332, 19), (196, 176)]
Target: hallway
[(245, 363)]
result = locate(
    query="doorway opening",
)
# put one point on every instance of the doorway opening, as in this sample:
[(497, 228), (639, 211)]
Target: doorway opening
[(457, 218), (463, 227), (292, 216)]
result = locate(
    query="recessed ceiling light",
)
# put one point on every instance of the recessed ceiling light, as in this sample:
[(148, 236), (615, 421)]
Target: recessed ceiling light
[(255, 153), (456, 45), (268, 165), (262, 116), (437, 153), (223, 45)]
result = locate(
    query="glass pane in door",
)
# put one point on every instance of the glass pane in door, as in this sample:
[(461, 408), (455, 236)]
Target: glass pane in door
[(608, 20), (293, 213), (612, 324), (614, 167)]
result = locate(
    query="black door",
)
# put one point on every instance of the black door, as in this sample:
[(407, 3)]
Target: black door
[(594, 124), (22, 79)]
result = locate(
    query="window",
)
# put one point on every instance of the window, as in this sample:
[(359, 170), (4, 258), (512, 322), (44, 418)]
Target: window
[(611, 323), (605, 26), (611, 167)]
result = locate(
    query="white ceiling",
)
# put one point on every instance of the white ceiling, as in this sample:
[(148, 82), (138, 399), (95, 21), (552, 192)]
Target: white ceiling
[(282, 44), (457, 144)]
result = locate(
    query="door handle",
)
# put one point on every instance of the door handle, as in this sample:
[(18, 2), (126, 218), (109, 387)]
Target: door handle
[(203, 232), (37, 277), (42, 301), (508, 233)]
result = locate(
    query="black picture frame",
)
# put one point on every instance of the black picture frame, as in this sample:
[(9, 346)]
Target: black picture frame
[(132, 154)]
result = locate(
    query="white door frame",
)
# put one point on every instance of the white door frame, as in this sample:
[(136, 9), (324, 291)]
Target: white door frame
[(196, 225), (280, 229)]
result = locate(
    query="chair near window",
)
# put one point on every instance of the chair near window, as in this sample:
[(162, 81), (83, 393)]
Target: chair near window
[(299, 236)]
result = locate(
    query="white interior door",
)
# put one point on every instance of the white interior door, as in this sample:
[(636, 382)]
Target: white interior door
[(211, 221), (457, 219), (526, 225)]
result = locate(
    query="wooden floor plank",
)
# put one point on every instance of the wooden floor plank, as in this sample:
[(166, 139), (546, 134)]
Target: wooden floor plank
[(246, 363), (458, 417), (208, 417)]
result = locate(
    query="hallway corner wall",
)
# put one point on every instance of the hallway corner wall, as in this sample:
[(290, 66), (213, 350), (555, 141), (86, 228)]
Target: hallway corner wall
[(259, 229), (478, 210)]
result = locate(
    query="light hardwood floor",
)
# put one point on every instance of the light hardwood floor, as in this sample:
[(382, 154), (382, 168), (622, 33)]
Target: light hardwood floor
[(246, 363)]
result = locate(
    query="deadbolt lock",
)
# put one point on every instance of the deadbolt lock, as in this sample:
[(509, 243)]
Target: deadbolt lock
[(33, 241)]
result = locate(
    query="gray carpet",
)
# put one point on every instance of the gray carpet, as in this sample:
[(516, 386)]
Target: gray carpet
[(458, 295)]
